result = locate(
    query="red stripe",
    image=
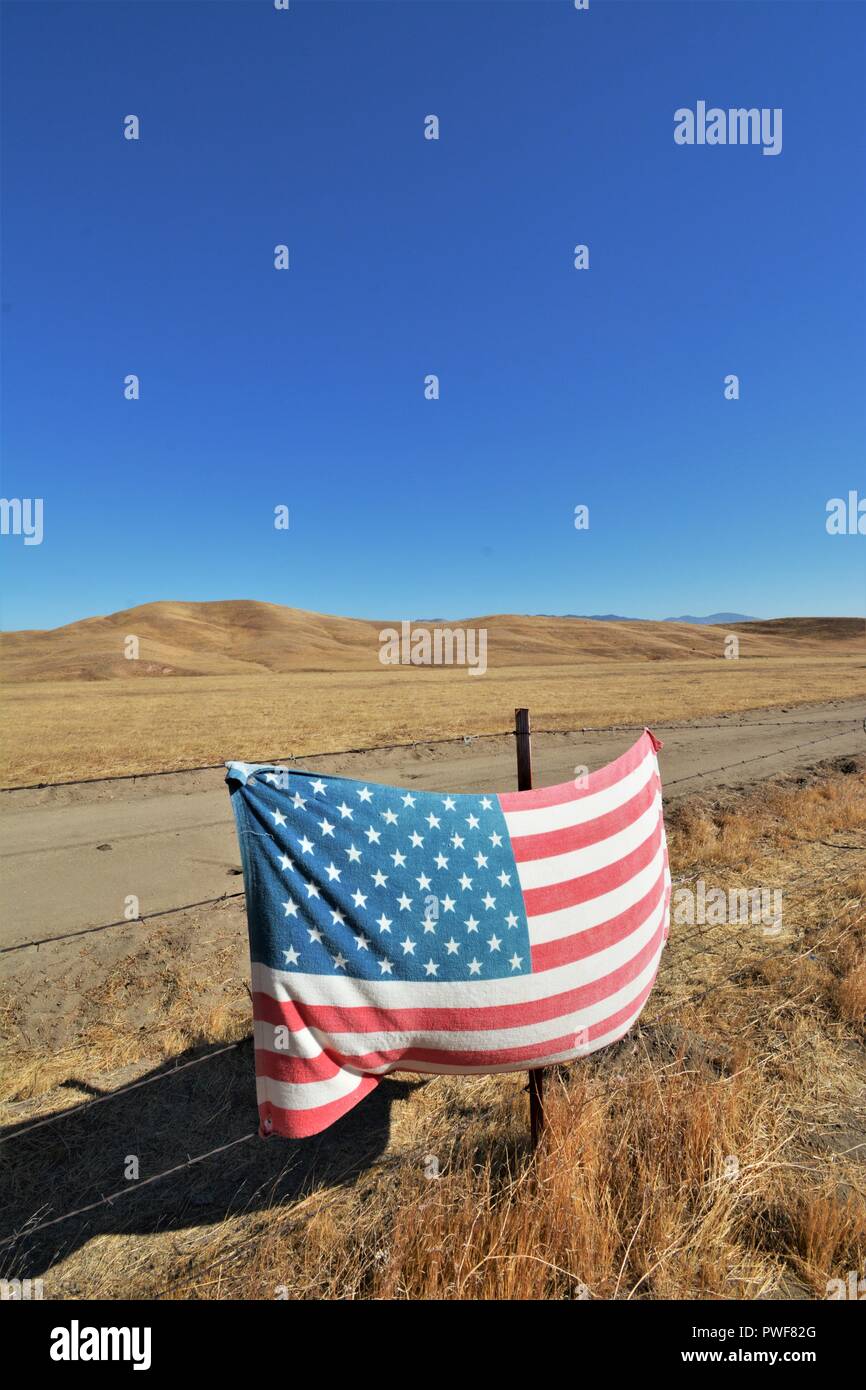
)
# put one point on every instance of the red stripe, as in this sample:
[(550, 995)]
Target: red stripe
[(580, 945), (331, 1019), (555, 896), (596, 782), (280, 1066), (300, 1124), (583, 836)]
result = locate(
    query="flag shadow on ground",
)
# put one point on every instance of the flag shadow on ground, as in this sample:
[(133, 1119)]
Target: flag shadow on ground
[(84, 1156)]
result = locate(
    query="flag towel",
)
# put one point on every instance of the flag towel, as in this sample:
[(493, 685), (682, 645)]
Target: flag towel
[(427, 932)]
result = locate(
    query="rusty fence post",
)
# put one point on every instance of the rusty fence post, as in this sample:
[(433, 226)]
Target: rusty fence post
[(523, 740)]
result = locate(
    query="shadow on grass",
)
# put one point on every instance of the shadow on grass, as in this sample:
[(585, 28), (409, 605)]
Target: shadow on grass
[(85, 1155)]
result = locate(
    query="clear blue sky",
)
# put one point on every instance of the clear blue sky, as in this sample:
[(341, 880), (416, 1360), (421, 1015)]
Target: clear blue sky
[(411, 257)]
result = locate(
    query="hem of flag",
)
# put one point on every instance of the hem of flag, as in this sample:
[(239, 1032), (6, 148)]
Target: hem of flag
[(302, 1124)]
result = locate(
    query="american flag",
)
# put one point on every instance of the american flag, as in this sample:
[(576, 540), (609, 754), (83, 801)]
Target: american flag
[(420, 931)]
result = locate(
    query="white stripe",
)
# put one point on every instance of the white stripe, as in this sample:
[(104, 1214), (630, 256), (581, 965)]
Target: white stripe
[(574, 863), (307, 1095), (567, 921), (541, 819), (472, 1040), (571, 1055)]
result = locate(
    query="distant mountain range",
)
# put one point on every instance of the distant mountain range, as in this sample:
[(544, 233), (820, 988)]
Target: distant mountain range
[(715, 618), (686, 618)]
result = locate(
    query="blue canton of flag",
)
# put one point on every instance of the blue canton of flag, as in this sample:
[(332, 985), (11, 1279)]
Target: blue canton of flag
[(377, 883)]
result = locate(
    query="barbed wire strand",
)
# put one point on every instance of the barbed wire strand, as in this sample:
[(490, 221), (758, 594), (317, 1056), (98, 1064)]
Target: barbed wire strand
[(121, 922), (420, 743), (123, 1191), (123, 1090), (757, 757)]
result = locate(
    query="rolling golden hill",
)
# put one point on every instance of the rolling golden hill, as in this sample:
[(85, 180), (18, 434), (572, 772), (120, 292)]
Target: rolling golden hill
[(245, 637)]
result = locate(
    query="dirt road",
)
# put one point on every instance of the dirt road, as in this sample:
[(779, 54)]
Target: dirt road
[(72, 856)]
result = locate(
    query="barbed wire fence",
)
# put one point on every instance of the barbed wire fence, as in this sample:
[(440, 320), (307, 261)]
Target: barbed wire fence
[(227, 897), (419, 743), (107, 1200), (653, 1021)]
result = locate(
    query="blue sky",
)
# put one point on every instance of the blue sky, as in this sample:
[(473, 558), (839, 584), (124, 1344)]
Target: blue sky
[(411, 256)]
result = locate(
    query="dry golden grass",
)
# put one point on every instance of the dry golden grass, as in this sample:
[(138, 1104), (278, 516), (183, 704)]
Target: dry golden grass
[(57, 731), (849, 995), (245, 679), (122, 998), (718, 1151), (740, 834)]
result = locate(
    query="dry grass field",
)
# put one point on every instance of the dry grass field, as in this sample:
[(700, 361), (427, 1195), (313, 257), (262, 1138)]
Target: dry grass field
[(718, 1151), (255, 681)]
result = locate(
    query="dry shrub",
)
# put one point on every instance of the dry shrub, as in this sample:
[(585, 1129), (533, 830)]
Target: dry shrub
[(849, 994), (702, 833), (828, 1237), (819, 809)]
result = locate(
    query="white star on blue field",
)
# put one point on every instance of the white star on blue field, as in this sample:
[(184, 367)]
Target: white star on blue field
[(378, 882)]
